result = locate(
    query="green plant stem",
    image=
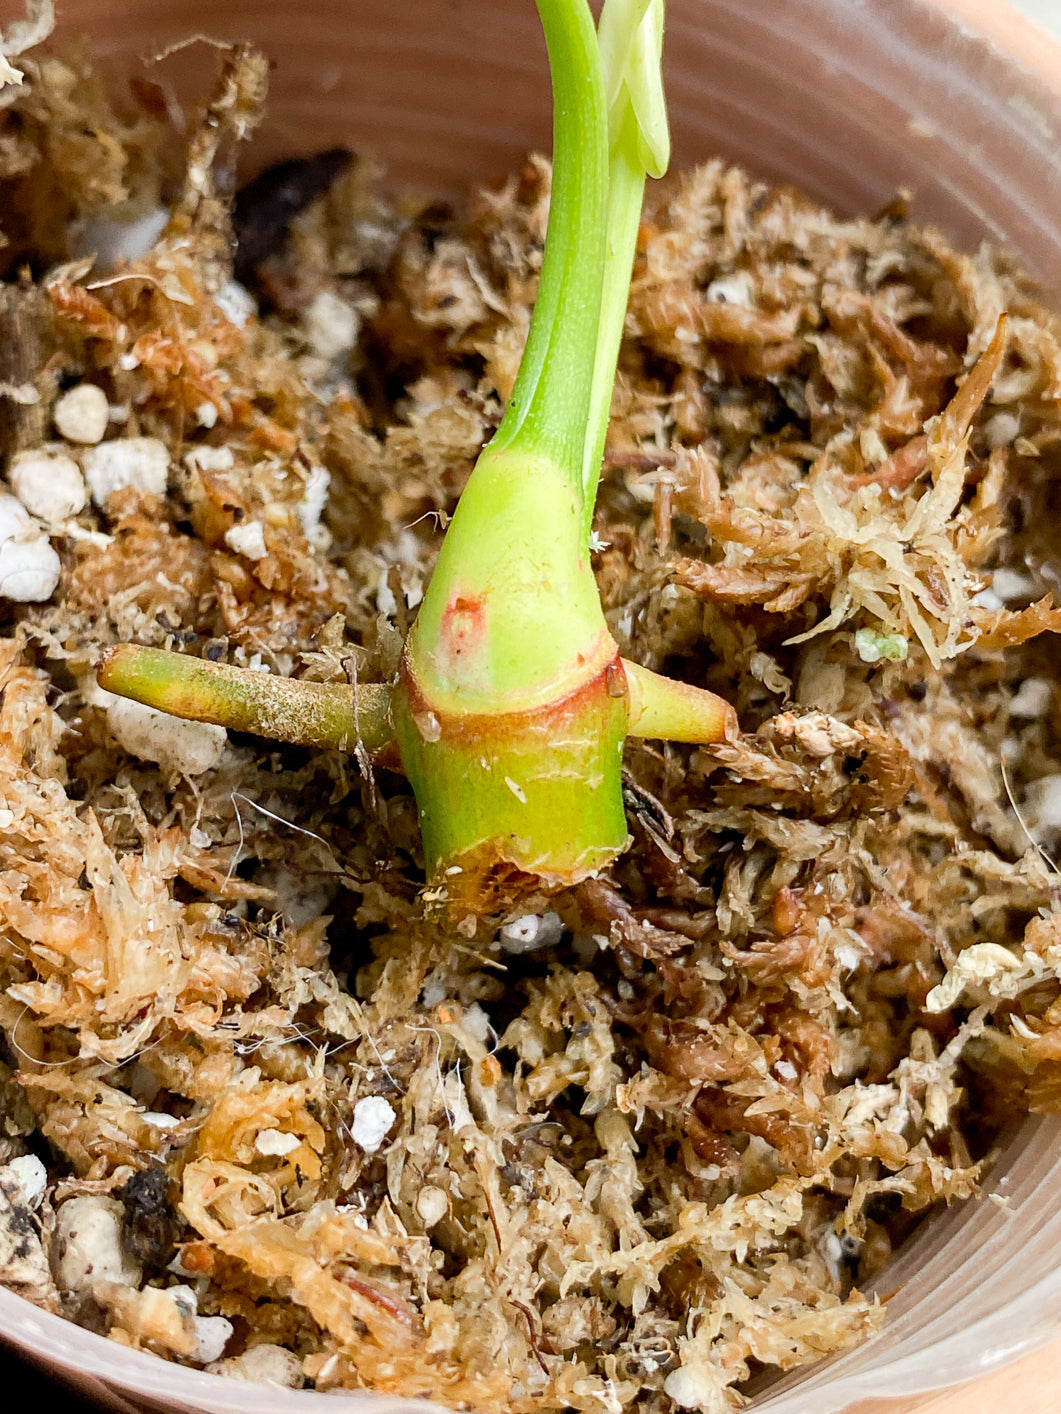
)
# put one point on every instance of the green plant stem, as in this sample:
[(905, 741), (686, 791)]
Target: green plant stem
[(626, 192), (512, 703), (631, 40), (546, 414)]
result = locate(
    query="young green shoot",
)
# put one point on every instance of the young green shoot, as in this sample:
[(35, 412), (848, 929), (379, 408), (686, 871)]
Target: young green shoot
[(512, 703)]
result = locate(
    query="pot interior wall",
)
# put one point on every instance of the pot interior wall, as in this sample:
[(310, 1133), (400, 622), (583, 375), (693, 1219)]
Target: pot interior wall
[(850, 99)]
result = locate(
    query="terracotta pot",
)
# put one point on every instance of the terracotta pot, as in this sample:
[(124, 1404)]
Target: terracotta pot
[(960, 101)]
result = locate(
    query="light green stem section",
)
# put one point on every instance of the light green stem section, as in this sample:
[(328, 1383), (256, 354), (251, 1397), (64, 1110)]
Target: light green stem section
[(631, 45), (512, 612), (546, 414)]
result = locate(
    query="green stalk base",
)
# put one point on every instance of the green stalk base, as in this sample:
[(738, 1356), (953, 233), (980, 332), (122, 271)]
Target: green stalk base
[(538, 792)]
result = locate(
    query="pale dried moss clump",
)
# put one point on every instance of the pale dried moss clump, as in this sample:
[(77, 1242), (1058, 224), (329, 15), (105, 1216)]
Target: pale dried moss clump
[(662, 1139)]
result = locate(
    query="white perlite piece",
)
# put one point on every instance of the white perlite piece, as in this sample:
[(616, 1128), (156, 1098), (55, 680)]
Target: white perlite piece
[(29, 570), (733, 289), (331, 325), (212, 1334), (87, 1245), (116, 243), (311, 507), (236, 303), (188, 747), (81, 414), (263, 1365), (276, 1142), (209, 458), (247, 539), (23, 1265), (1012, 584), (14, 518), (1042, 805), (1032, 698), (373, 1117), (139, 462), (49, 484), (32, 1177), (432, 1205), (531, 931)]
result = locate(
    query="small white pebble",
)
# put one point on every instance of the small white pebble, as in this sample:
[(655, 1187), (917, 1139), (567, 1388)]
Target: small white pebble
[(32, 1177), (189, 747), (263, 1365), (81, 414), (247, 539), (236, 303), (1032, 698), (87, 1244), (531, 931), (29, 570), (206, 415), (331, 325), (212, 1334), (373, 1117), (139, 462), (432, 1205), (786, 1070), (49, 485), (276, 1142), (14, 519)]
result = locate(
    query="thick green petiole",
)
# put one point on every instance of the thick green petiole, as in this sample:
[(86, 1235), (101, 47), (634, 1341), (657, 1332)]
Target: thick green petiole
[(512, 703)]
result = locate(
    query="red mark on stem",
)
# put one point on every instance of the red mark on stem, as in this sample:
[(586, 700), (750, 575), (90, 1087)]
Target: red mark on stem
[(464, 624)]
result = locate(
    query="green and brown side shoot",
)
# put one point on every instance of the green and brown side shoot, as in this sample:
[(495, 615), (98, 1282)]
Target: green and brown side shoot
[(512, 703)]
